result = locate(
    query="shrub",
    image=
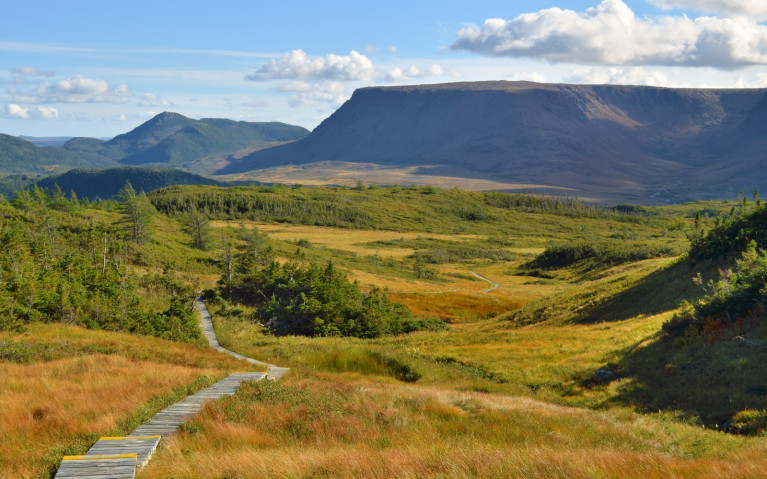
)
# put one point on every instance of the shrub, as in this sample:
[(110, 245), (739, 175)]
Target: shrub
[(603, 254), (733, 303), (749, 421), (312, 300)]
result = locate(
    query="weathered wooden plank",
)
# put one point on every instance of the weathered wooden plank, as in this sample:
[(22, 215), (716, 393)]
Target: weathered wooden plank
[(143, 446), (98, 466)]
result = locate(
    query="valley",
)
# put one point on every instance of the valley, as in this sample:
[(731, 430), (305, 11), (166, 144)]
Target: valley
[(505, 379)]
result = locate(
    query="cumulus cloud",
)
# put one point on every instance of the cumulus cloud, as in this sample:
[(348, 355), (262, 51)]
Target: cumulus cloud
[(149, 99), (297, 65), (612, 34), (73, 90), (756, 9), (412, 72), (31, 72), (18, 112), (316, 94)]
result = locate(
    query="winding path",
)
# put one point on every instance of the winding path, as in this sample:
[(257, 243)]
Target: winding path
[(495, 285), (274, 372), (121, 457)]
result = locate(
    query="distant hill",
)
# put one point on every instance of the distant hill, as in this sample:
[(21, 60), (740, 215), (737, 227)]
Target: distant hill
[(171, 139), (168, 139), (618, 143), (22, 157), (106, 183), (210, 137)]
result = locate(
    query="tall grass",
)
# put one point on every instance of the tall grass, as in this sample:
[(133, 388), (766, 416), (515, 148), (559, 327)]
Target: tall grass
[(324, 426), (64, 386)]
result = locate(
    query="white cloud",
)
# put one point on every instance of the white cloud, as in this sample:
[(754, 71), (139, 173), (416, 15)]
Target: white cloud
[(528, 76), (619, 76), (412, 72), (611, 34), (315, 94), (297, 65), (149, 99), (77, 89), (756, 9), (18, 112), (31, 72)]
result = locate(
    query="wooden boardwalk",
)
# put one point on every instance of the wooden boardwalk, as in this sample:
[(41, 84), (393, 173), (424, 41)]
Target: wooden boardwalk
[(274, 372), (121, 457)]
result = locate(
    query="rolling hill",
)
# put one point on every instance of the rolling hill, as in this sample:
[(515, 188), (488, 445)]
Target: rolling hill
[(171, 139), (19, 156), (614, 143), (168, 139)]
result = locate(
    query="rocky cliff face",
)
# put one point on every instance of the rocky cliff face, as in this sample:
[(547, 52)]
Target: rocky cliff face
[(657, 142)]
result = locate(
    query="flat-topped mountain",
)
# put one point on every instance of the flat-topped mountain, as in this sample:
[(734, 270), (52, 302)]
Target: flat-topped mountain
[(632, 143)]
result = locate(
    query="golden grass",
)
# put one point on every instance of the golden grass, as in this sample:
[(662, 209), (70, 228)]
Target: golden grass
[(49, 404), (343, 239), (455, 306), (76, 340), (324, 426)]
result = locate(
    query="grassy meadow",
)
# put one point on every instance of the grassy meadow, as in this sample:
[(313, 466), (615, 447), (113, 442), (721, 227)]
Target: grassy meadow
[(507, 388)]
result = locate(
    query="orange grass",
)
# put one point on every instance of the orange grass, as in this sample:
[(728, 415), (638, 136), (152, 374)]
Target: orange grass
[(47, 404), (74, 340), (321, 426), (455, 306), (62, 393)]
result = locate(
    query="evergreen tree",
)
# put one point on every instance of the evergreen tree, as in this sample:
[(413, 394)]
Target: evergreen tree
[(138, 212), (197, 225)]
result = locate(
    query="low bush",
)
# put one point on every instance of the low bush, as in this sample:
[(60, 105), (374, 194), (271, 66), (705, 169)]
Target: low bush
[(563, 255)]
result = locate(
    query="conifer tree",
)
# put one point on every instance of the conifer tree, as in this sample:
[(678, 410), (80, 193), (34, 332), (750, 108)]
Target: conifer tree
[(137, 210)]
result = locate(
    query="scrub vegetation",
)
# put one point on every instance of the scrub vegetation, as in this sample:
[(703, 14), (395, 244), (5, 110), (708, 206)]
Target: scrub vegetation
[(429, 332)]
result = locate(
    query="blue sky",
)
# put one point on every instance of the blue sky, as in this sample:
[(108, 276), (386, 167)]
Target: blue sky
[(85, 68)]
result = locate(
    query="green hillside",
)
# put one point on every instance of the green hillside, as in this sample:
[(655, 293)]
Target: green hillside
[(22, 157), (168, 139), (210, 137)]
